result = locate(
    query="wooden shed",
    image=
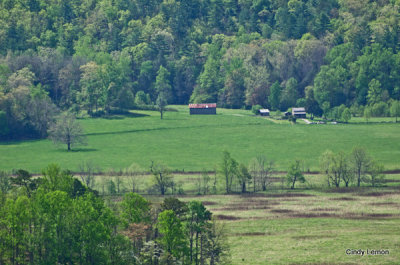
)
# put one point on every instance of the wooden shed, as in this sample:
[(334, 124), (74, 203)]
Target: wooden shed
[(264, 112), (299, 112), (205, 108)]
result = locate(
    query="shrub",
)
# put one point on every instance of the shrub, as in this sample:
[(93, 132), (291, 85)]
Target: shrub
[(256, 109), (292, 119)]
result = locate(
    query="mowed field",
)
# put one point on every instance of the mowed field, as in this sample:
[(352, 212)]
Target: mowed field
[(193, 143)]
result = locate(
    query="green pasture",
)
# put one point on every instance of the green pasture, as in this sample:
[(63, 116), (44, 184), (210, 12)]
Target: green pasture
[(193, 143)]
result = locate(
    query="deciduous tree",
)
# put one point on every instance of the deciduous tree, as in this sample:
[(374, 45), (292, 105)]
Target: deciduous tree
[(375, 172), (243, 177), (395, 109), (172, 236), (360, 162), (162, 177), (67, 131), (228, 169), (135, 208), (295, 174)]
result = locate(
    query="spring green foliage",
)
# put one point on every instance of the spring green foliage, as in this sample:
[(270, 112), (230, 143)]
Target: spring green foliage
[(51, 219), (197, 225), (60, 221), (295, 174), (135, 208), (228, 169), (172, 240), (243, 176), (97, 56), (346, 115), (354, 168), (375, 174)]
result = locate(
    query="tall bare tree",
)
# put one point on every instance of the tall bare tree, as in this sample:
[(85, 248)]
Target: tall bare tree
[(336, 168), (132, 173), (67, 131), (360, 161), (162, 177), (262, 169), (86, 171)]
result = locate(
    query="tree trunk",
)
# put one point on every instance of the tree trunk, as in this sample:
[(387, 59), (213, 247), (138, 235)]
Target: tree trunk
[(337, 184), (294, 182), (244, 187), (197, 248), (227, 184), (201, 250), (69, 141), (191, 246)]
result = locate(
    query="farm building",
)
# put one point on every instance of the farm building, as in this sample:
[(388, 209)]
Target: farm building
[(299, 112), (264, 112), (206, 108)]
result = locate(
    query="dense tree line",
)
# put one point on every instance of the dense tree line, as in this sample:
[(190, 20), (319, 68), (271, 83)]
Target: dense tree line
[(104, 55), (55, 219)]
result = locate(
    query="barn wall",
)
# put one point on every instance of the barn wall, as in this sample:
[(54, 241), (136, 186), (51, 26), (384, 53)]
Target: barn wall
[(203, 111)]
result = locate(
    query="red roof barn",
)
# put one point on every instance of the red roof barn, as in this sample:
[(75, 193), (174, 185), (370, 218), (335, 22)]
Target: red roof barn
[(205, 108)]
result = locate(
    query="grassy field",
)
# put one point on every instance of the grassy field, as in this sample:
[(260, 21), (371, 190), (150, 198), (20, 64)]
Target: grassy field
[(193, 143), (309, 225)]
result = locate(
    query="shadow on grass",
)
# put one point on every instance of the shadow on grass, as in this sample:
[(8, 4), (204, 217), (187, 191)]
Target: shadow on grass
[(167, 128), (17, 142), (84, 150), (121, 116), (125, 115), (77, 150), (130, 131)]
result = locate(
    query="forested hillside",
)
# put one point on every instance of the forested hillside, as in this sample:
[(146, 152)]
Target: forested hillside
[(102, 55)]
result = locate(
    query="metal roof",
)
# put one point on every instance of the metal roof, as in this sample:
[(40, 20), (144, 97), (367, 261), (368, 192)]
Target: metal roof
[(203, 106), (298, 110), (264, 110)]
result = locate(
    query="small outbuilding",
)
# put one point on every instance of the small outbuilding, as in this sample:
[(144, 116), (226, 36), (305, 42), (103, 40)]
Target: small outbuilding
[(299, 112), (206, 108), (264, 112)]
